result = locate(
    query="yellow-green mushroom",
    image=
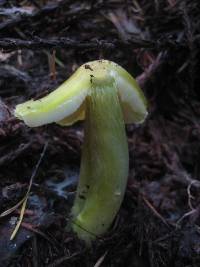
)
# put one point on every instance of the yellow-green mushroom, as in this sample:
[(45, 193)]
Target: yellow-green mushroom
[(106, 96)]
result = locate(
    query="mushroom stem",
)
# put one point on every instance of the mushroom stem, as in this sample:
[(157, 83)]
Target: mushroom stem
[(104, 165)]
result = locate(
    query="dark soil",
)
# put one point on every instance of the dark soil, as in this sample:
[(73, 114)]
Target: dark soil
[(158, 41)]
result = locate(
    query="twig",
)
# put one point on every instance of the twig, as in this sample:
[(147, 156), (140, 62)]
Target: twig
[(11, 156), (100, 260), (145, 76), (20, 218), (46, 10), (190, 196), (71, 13), (35, 230), (24, 200), (62, 42), (28, 191), (193, 211), (155, 211), (63, 259)]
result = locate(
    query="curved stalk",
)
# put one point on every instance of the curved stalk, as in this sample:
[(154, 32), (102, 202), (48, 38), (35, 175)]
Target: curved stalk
[(104, 166)]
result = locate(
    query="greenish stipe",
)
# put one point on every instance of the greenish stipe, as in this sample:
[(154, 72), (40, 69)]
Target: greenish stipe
[(104, 166)]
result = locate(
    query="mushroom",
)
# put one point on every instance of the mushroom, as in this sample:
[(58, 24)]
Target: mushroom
[(106, 96)]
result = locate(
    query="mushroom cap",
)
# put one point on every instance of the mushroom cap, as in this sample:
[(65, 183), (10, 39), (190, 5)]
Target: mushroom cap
[(66, 104)]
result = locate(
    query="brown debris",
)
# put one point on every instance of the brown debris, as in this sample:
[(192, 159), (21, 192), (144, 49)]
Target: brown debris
[(156, 41)]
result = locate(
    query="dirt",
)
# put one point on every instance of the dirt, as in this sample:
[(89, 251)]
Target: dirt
[(41, 44)]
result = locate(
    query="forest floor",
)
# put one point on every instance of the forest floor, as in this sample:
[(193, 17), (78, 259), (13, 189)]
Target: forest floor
[(41, 44)]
